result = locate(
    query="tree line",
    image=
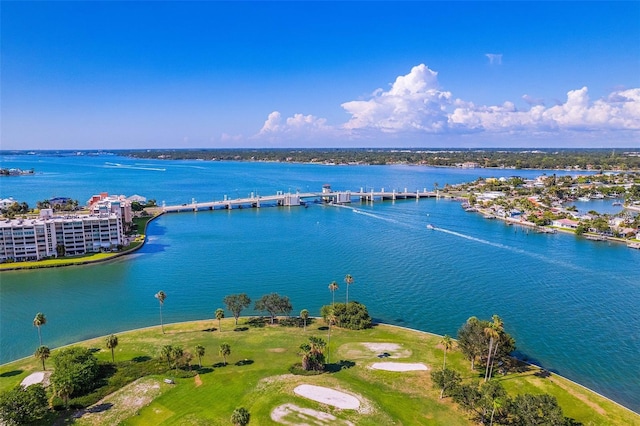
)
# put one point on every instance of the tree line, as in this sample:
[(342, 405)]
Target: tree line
[(545, 158)]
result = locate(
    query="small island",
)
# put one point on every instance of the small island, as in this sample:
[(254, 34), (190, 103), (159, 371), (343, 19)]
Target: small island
[(15, 172)]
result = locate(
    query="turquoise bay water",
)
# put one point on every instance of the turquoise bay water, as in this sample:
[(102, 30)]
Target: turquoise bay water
[(571, 305)]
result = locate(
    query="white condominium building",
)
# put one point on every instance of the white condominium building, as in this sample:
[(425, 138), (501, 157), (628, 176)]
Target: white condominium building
[(51, 236)]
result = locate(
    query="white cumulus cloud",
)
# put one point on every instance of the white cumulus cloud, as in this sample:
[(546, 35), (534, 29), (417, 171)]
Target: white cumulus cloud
[(619, 111), (298, 126), (416, 104)]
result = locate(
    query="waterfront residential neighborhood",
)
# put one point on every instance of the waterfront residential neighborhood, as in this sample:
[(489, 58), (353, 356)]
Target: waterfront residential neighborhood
[(547, 203)]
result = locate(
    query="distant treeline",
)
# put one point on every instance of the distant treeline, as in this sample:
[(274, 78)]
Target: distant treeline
[(593, 159), (544, 158)]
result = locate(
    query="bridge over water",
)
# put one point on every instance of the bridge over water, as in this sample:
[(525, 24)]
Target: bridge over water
[(282, 198)]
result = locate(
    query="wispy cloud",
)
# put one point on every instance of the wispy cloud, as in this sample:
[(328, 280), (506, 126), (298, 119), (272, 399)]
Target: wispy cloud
[(494, 58), (531, 100)]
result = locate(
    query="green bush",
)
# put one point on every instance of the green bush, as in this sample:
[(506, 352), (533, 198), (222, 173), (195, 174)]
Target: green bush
[(77, 365), (22, 405), (353, 316)]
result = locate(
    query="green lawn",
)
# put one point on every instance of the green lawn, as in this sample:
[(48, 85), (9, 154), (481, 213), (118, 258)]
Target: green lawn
[(257, 377)]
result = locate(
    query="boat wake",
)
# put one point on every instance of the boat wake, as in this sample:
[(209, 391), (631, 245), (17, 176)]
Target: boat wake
[(513, 249), (363, 213), (135, 167), (478, 240)]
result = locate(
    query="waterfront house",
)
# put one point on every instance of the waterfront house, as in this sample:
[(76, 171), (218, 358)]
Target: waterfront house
[(59, 201), (137, 198), (468, 165), (515, 213), (5, 203), (565, 223)]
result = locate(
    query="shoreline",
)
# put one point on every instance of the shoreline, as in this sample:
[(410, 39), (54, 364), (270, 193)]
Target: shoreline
[(157, 212), (553, 229), (526, 362), (80, 262), (320, 318)]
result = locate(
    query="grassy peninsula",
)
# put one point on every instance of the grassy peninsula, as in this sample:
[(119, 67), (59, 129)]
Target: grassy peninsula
[(257, 377)]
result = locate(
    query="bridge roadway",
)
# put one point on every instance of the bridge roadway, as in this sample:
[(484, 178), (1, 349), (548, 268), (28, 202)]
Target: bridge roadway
[(299, 198)]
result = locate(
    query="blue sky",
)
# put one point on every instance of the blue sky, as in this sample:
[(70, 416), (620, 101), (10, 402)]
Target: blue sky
[(110, 75)]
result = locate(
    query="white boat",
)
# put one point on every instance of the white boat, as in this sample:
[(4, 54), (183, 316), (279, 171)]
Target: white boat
[(584, 198), (616, 203), (430, 226)]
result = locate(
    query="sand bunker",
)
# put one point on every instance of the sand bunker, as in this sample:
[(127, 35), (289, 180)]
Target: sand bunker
[(382, 347), (328, 396), (399, 366), (37, 377), (291, 414)]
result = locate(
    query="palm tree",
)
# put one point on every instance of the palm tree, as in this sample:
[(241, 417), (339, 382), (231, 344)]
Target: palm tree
[(240, 417), (498, 325), (200, 353), (225, 350), (219, 316), (313, 354), (64, 388), (186, 359), (39, 320), (331, 319), (167, 353), (161, 296), (349, 280), (447, 343), (42, 353), (112, 342), (332, 288), (176, 353), (304, 314), (492, 333)]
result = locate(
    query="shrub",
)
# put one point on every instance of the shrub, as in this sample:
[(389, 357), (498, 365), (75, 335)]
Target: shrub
[(22, 405), (298, 370), (77, 365), (353, 316)]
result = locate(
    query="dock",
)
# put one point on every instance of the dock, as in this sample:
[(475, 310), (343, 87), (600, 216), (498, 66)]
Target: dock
[(282, 198)]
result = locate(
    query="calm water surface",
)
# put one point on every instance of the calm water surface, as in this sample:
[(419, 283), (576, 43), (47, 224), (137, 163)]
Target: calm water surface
[(571, 305)]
